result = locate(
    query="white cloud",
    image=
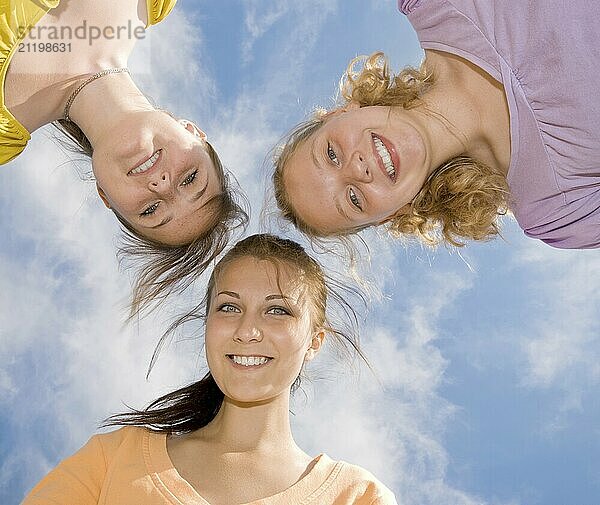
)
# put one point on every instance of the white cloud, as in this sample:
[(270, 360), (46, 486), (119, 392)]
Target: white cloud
[(563, 350), (392, 422), (261, 17), (65, 350), (171, 67), (8, 388), (66, 360)]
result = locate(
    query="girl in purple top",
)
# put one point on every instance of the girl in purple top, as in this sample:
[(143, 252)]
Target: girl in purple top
[(503, 115)]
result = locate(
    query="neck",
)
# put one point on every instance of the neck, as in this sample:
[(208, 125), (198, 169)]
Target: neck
[(465, 113), (102, 103), (252, 428)]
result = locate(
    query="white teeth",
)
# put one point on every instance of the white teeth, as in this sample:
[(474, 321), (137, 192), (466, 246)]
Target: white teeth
[(250, 360), (385, 157), (147, 164)]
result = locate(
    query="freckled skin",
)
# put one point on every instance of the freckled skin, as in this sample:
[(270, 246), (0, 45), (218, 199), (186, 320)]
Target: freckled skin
[(347, 163), (464, 113)]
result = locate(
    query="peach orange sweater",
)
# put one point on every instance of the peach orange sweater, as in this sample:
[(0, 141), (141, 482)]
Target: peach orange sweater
[(131, 466)]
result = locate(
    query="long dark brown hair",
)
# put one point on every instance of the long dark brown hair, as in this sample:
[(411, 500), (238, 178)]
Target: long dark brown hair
[(194, 406)]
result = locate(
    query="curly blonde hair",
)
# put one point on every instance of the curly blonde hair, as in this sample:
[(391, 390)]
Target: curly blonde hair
[(460, 200)]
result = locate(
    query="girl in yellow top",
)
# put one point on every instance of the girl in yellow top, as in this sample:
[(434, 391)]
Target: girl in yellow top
[(226, 439), (159, 175)]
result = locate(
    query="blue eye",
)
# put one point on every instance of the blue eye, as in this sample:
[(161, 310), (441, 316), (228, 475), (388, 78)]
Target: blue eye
[(354, 198), (278, 311), (227, 307), (150, 209), (190, 178), (331, 154)]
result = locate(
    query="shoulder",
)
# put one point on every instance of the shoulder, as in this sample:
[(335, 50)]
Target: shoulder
[(80, 477), (159, 10), (366, 488), (111, 442), (100, 449)]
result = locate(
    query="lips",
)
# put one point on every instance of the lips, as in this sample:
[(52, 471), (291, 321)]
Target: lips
[(146, 165), (386, 156)]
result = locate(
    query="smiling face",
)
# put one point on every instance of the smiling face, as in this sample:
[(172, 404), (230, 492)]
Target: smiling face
[(361, 167), (157, 174), (259, 329)]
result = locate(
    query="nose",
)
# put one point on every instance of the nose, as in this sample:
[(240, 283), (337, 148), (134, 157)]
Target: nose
[(247, 332), (358, 167), (160, 182)]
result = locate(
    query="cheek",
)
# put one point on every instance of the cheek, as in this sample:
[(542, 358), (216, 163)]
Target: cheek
[(124, 193), (127, 199), (321, 195), (212, 337), (293, 341), (414, 147), (386, 203), (308, 195), (317, 189), (102, 165)]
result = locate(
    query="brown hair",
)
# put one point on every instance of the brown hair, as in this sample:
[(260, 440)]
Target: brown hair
[(194, 406), (461, 199), (162, 269)]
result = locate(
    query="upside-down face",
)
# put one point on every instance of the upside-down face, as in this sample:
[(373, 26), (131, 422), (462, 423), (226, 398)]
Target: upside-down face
[(361, 167), (156, 173)]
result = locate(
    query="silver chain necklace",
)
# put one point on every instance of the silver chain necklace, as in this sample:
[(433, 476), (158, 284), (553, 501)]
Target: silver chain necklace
[(85, 83)]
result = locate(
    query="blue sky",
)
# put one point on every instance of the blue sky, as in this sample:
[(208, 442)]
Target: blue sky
[(487, 358)]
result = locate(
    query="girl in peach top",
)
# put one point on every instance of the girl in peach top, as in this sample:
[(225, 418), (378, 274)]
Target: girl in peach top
[(226, 439)]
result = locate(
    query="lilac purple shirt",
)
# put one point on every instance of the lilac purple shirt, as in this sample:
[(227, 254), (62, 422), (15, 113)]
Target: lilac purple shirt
[(546, 54)]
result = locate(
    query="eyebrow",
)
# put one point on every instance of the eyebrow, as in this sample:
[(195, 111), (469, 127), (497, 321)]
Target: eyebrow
[(163, 222), (233, 294), (313, 155), (195, 198), (342, 211), (277, 297), (229, 293), (198, 195)]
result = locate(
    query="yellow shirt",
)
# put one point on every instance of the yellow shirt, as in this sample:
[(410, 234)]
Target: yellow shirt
[(14, 15), (131, 466)]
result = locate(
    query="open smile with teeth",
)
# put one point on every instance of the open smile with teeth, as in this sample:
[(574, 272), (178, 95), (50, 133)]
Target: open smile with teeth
[(249, 360), (147, 165), (385, 156)]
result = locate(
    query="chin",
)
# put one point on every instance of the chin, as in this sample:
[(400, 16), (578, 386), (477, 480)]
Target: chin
[(249, 397)]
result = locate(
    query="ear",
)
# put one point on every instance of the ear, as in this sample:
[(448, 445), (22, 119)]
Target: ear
[(315, 344), (193, 128), (102, 196)]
